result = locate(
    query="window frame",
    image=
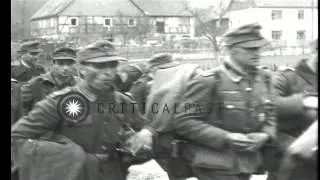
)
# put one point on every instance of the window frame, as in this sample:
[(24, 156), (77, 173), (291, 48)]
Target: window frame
[(134, 22), (274, 31), (274, 15), (77, 21), (104, 22), (305, 34), (299, 13)]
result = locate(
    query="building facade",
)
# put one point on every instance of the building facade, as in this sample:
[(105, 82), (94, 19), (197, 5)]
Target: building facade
[(285, 23), (126, 21)]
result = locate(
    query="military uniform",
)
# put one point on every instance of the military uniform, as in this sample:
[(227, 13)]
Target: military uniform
[(290, 87), (39, 87), (128, 74), (140, 90), (221, 102), (22, 71), (46, 145), (16, 109)]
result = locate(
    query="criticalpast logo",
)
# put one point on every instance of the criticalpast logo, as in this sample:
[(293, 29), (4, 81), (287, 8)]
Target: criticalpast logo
[(73, 108)]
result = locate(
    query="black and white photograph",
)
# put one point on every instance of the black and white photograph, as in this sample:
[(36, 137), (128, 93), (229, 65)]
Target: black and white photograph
[(164, 89)]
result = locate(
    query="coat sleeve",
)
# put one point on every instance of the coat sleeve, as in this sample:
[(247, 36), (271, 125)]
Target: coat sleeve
[(27, 95), (41, 119), (287, 104), (191, 119), (139, 93)]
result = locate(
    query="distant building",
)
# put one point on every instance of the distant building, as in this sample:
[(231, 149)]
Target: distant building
[(125, 21), (284, 22)]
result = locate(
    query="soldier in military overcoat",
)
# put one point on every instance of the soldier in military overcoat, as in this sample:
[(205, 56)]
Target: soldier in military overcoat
[(292, 85), (75, 133), (62, 74), (226, 114), (27, 66)]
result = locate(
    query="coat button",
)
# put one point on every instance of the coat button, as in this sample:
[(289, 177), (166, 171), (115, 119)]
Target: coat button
[(105, 123)]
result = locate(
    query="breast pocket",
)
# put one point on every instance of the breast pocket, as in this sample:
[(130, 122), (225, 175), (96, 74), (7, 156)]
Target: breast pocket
[(233, 112)]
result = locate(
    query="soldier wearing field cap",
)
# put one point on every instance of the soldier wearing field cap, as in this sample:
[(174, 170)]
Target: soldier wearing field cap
[(140, 89), (63, 73), (27, 67), (222, 115), (128, 74), (85, 144), (294, 87)]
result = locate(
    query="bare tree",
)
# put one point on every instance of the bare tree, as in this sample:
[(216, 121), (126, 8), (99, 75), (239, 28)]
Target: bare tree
[(210, 31)]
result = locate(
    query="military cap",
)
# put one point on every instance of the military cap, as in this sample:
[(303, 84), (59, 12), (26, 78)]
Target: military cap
[(130, 68), (99, 52), (247, 36), (62, 53), (159, 59), (30, 46)]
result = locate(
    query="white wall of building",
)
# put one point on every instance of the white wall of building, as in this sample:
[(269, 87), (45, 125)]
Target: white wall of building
[(289, 24)]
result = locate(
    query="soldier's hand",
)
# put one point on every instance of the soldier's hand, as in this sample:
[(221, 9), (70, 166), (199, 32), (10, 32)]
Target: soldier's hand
[(238, 141), (311, 106), (141, 140), (258, 139)]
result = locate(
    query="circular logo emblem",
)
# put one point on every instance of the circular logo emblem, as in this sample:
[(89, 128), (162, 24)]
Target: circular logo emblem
[(73, 107)]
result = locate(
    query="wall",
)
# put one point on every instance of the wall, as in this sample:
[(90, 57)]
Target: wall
[(289, 24), (92, 28)]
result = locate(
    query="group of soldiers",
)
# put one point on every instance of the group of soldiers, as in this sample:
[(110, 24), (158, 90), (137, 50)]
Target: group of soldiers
[(226, 123)]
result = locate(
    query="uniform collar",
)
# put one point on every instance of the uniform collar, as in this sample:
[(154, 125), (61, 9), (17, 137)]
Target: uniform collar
[(83, 89), (232, 71), (48, 77), (24, 64)]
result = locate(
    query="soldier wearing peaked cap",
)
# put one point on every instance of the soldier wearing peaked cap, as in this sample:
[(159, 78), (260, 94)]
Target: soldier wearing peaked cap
[(228, 122), (63, 73), (292, 87), (27, 67), (85, 144)]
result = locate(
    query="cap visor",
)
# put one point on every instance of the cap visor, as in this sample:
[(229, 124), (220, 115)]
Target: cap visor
[(254, 44), (106, 59), (64, 58)]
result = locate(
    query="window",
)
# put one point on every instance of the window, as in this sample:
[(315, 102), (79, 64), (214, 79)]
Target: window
[(276, 14), (160, 27), (131, 22), (107, 22), (276, 35), (74, 21), (301, 35), (300, 14)]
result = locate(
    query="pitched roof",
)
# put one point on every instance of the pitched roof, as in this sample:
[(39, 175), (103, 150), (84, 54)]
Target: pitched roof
[(162, 7), (101, 8), (87, 8), (51, 8), (244, 4)]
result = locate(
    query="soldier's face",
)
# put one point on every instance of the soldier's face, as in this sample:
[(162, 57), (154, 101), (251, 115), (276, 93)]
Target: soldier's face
[(246, 57), (65, 67), (30, 57), (101, 76)]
